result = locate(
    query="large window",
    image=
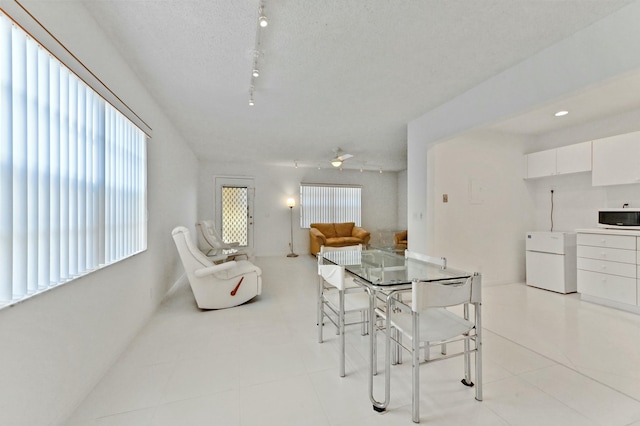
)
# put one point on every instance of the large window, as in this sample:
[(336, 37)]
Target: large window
[(72, 173), (325, 203)]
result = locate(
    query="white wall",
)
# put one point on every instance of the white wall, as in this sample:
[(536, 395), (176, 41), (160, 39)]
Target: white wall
[(482, 226), (418, 178), (402, 200), (274, 184), (57, 345)]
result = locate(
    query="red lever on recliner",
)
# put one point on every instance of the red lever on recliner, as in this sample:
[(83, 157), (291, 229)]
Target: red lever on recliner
[(235, 290)]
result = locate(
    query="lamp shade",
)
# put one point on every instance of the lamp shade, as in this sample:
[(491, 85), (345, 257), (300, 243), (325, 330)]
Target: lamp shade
[(291, 202)]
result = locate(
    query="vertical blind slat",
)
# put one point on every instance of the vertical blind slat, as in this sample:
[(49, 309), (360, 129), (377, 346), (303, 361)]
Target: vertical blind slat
[(19, 156), (44, 184), (32, 167), (54, 170), (6, 163)]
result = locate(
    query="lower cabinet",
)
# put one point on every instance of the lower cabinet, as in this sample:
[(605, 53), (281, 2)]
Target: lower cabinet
[(609, 287), (609, 267)]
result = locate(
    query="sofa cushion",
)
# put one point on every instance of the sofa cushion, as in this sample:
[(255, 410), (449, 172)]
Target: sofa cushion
[(327, 229), (344, 229), (343, 241)]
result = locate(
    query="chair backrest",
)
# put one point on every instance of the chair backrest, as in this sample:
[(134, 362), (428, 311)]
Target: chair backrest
[(440, 261), (333, 275), (440, 294), (191, 257), (208, 238)]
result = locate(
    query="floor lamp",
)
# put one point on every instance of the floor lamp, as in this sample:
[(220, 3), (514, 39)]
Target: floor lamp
[(291, 204)]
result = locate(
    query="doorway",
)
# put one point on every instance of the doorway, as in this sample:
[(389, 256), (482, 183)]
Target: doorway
[(233, 206)]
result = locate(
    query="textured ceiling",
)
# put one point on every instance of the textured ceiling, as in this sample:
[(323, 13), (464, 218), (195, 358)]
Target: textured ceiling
[(334, 73)]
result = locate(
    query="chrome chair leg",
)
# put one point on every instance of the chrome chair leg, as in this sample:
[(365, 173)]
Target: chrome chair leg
[(341, 330), (478, 351), (320, 318), (415, 368)]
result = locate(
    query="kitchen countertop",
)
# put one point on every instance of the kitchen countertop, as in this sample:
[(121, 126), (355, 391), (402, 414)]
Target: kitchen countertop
[(610, 231)]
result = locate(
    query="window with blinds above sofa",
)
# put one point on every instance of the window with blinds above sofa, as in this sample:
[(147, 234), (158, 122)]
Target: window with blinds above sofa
[(329, 203)]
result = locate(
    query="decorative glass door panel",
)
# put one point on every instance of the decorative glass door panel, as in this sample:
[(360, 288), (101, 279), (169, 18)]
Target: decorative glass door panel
[(235, 214), (233, 206)]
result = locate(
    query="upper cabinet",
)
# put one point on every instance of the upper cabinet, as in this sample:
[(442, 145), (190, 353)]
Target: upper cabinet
[(541, 163), (559, 161), (616, 160), (574, 158)]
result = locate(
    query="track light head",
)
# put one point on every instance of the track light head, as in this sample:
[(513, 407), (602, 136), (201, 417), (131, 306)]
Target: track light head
[(263, 21)]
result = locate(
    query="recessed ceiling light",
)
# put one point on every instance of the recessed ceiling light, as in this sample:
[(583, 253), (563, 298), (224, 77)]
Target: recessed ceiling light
[(256, 73), (561, 113)]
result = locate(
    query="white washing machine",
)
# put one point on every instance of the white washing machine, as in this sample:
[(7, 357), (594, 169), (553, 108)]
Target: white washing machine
[(551, 261)]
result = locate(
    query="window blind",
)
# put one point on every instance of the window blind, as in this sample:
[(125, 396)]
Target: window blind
[(325, 203), (72, 173)]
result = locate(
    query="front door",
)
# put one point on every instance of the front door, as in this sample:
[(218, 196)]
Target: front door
[(234, 209)]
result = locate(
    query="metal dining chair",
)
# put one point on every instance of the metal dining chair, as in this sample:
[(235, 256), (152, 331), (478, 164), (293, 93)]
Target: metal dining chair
[(339, 295), (427, 322)]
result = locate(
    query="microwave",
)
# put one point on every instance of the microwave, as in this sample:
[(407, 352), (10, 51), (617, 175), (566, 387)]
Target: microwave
[(626, 218)]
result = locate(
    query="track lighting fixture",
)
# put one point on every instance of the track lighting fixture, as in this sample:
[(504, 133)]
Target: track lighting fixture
[(262, 20), (255, 70)]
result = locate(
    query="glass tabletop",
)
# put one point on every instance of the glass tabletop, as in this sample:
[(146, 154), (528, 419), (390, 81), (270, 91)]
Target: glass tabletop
[(382, 267)]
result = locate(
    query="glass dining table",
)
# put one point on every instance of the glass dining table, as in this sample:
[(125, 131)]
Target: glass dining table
[(384, 274)]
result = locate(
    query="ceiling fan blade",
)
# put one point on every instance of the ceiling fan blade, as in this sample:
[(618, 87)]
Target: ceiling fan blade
[(344, 157)]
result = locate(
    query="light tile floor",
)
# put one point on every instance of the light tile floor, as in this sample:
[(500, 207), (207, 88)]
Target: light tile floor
[(549, 360)]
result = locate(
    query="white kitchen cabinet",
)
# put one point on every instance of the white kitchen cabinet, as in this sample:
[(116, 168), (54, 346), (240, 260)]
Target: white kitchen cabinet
[(573, 158), (540, 164), (615, 160), (609, 267), (602, 239), (609, 254), (559, 161), (608, 287)]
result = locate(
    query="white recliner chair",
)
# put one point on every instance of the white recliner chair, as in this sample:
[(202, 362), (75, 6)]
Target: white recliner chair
[(211, 244), (216, 286)]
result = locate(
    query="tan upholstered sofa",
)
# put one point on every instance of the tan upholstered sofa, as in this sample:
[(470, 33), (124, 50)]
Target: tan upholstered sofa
[(336, 235)]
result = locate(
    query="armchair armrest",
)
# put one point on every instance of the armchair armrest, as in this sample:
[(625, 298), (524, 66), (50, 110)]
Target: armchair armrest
[(318, 235), (400, 236), (361, 233), (203, 272)]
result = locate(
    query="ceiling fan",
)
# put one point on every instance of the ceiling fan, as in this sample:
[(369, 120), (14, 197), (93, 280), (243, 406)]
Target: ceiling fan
[(339, 157)]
